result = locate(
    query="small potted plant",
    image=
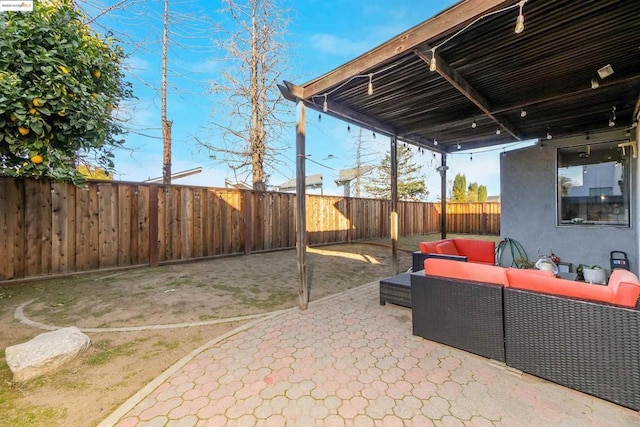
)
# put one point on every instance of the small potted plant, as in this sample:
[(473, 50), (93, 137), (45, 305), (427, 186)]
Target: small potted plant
[(592, 274)]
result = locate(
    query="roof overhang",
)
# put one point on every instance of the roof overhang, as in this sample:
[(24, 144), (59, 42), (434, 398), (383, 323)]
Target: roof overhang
[(487, 75)]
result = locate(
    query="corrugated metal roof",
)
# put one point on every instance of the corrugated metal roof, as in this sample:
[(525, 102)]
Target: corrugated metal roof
[(546, 70)]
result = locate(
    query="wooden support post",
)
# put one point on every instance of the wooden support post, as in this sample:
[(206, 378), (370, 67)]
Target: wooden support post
[(153, 226), (394, 205), (443, 195), (248, 221), (301, 232)]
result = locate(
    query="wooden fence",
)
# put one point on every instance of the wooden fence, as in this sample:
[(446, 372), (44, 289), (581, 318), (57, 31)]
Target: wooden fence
[(51, 228)]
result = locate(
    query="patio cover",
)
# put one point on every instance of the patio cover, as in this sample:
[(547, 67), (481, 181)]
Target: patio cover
[(487, 73), (489, 85)]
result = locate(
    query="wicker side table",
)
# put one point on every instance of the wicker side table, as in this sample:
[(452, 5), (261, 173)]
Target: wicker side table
[(396, 290)]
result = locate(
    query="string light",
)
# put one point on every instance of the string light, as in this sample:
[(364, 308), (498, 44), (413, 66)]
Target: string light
[(523, 113), (520, 21), (504, 153), (325, 106), (319, 117), (370, 86), (458, 146), (348, 128), (612, 119), (435, 141), (595, 84), (471, 157), (549, 136), (374, 135), (498, 131), (433, 66), (474, 124)]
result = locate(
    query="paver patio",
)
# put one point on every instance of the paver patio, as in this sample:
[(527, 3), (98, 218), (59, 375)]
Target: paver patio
[(349, 361)]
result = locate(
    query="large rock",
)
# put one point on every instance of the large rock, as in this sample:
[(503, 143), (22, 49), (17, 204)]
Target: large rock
[(45, 353)]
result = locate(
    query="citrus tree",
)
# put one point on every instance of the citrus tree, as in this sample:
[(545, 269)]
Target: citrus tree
[(60, 83)]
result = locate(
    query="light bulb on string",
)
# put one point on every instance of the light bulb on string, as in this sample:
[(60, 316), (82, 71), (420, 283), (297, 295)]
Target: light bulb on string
[(612, 119), (348, 128), (498, 131), (325, 105), (471, 157), (504, 153), (433, 66), (319, 117), (374, 135), (595, 84), (458, 146), (523, 113), (520, 21), (435, 141), (549, 136), (370, 86), (474, 124)]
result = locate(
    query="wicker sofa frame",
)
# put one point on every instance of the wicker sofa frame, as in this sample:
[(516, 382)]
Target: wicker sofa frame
[(465, 315), (588, 346)]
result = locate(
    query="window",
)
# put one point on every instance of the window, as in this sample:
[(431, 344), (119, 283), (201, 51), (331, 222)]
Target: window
[(593, 185)]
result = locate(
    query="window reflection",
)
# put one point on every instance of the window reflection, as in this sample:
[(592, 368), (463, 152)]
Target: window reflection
[(593, 185)]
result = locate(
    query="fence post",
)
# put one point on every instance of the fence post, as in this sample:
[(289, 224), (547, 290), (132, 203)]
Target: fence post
[(248, 221), (153, 226), (483, 224)]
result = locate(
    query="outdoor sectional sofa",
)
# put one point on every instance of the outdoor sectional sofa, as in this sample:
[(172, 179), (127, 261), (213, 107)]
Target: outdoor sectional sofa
[(580, 335)]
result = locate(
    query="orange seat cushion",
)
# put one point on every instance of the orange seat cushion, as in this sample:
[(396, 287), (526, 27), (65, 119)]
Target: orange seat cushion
[(477, 250), (466, 271), (525, 280)]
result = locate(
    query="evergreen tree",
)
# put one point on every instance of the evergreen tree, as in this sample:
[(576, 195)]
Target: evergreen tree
[(472, 193), (459, 191), (482, 193), (411, 183)]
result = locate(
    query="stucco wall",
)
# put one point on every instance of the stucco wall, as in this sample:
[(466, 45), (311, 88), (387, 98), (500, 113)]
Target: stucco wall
[(528, 192)]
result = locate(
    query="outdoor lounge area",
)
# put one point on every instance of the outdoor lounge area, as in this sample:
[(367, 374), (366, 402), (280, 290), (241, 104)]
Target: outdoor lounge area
[(490, 76)]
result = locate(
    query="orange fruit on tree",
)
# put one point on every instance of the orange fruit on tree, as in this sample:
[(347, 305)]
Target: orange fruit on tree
[(38, 102), (33, 111), (23, 130), (64, 69), (36, 159), (97, 74)]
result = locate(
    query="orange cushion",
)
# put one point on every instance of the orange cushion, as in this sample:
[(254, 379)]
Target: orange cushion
[(530, 281), (625, 288), (477, 250), (465, 271), (447, 247), (428, 247)]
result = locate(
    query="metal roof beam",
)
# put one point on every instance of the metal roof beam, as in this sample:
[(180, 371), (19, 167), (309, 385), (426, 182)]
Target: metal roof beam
[(462, 86)]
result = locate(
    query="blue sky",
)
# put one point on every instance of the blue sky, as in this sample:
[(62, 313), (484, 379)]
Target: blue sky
[(323, 34)]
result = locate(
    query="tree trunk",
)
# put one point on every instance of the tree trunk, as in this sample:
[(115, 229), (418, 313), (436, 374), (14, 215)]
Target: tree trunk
[(166, 124)]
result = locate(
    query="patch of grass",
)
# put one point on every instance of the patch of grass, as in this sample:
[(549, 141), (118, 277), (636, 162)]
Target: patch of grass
[(14, 413), (177, 283), (106, 352), (167, 345)]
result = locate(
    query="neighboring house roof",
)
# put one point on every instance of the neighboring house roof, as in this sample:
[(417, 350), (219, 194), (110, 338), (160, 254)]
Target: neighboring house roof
[(312, 181)]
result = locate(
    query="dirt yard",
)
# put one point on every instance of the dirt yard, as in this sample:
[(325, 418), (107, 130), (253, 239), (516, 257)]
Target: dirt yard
[(118, 364)]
